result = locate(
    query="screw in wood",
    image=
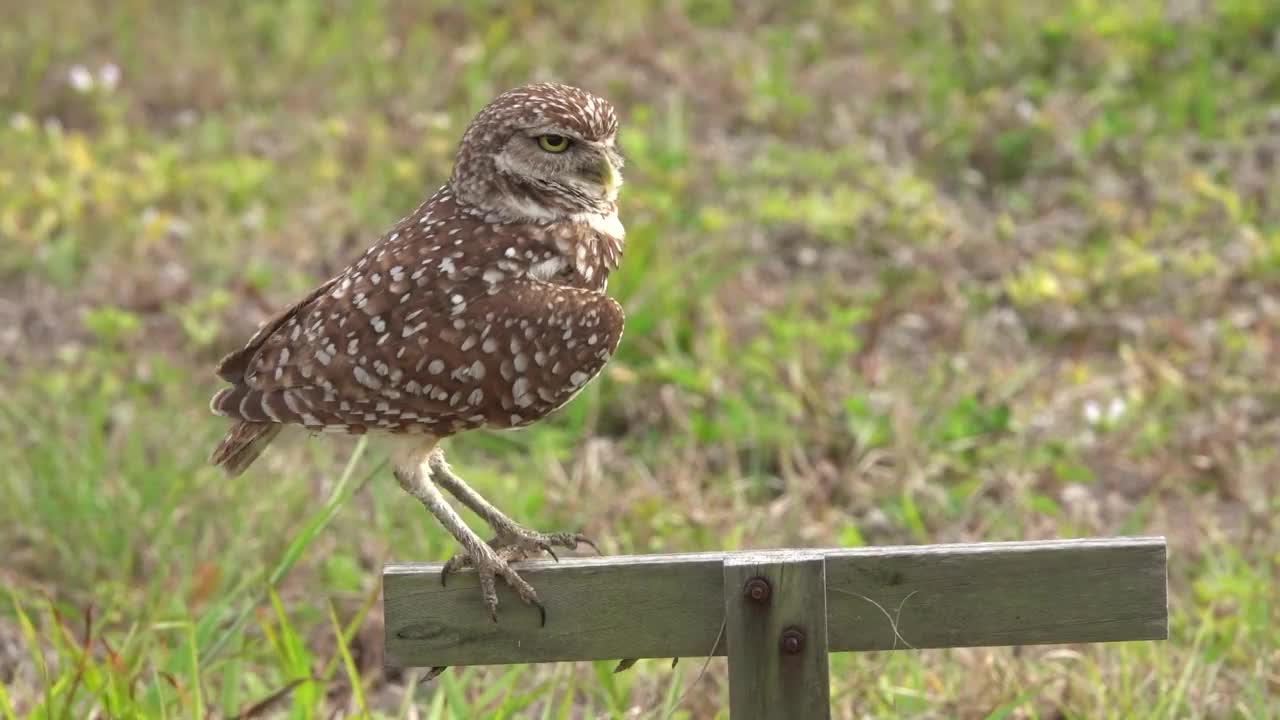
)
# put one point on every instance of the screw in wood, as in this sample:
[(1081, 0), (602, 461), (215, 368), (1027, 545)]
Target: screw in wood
[(792, 641), (757, 590)]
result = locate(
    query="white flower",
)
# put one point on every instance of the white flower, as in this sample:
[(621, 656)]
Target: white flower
[(1115, 409), (1094, 415), (80, 78), (1092, 412), (109, 76)]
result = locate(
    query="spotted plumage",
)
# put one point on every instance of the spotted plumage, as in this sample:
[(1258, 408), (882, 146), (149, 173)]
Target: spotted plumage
[(483, 308), (455, 320), (465, 314)]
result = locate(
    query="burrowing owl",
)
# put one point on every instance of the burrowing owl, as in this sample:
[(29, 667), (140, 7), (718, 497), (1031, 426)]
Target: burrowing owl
[(484, 308)]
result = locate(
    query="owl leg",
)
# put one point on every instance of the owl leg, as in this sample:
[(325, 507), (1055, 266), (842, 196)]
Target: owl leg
[(513, 541), (489, 563)]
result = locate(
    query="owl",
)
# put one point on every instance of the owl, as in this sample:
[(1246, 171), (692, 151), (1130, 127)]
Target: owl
[(483, 308)]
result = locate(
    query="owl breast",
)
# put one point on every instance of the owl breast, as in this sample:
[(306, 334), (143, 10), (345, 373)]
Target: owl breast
[(588, 250)]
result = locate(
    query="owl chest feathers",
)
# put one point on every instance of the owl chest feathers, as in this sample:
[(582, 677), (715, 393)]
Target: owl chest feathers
[(588, 248)]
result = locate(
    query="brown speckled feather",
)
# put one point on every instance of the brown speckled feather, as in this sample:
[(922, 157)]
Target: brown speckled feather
[(463, 315)]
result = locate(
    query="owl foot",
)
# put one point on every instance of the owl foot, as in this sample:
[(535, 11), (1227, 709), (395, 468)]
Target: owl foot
[(517, 543), (512, 544), (493, 562), (532, 542)]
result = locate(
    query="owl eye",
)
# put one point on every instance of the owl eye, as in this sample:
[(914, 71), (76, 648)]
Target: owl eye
[(553, 143)]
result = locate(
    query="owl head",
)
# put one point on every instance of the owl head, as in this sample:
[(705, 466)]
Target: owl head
[(541, 152)]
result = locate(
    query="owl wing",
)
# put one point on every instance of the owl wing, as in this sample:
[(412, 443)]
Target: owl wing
[(508, 354), (233, 366), (402, 339)]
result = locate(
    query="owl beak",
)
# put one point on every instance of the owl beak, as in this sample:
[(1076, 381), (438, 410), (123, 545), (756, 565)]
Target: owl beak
[(602, 172), (609, 177)]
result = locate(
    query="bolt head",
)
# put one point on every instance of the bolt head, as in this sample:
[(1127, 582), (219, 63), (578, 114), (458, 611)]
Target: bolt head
[(757, 590), (792, 641)]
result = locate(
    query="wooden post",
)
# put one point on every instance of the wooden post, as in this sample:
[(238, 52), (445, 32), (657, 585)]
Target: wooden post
[(775, 607)]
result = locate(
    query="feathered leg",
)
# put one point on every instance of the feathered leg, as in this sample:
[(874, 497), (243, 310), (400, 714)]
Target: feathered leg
[(414, 475), (512, 540)]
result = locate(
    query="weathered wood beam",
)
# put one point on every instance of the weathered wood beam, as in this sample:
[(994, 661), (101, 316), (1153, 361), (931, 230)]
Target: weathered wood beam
[(645, 606)]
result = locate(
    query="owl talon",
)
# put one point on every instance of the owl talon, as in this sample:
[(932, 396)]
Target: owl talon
[(457, 562), (492, 564), (512, 545), (532, 542), (626, 664), (586, 541)]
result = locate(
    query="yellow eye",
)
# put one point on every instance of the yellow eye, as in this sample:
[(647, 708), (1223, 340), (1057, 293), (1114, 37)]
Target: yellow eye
[(553, 143)]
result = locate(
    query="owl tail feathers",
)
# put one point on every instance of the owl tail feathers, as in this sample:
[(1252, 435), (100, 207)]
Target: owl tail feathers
[(244, 442)]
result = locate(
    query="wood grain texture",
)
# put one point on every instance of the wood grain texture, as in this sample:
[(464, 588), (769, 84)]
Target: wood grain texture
[(768, 679), (663, 606)]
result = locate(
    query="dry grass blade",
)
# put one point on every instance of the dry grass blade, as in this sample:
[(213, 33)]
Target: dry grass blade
[(263, 706)]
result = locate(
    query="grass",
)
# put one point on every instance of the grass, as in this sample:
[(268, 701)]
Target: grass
[(895, 273)]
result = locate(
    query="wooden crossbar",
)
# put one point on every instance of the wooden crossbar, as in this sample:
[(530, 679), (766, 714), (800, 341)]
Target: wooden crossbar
[(877, 598)]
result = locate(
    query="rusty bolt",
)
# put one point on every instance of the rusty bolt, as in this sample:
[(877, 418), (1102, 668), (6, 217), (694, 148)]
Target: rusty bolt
[(792, 641), (757, 590)]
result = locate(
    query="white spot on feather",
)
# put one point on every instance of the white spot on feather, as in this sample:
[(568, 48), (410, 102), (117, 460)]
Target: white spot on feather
[(547, 269)]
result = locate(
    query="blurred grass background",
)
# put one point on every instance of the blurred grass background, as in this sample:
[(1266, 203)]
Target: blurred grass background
[(897, 272)]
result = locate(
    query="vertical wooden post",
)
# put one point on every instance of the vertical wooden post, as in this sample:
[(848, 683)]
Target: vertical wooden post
[(776, 627)]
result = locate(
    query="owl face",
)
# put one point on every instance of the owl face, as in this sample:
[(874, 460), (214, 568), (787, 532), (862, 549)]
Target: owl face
[(541, 152), (561, 161)]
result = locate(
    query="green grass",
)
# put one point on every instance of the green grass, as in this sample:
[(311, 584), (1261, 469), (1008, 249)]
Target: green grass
[(894, 274)]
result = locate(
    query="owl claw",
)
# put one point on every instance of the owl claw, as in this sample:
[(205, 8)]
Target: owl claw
[(586, 541), (624, 665), (512, 545), (492, 564)]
